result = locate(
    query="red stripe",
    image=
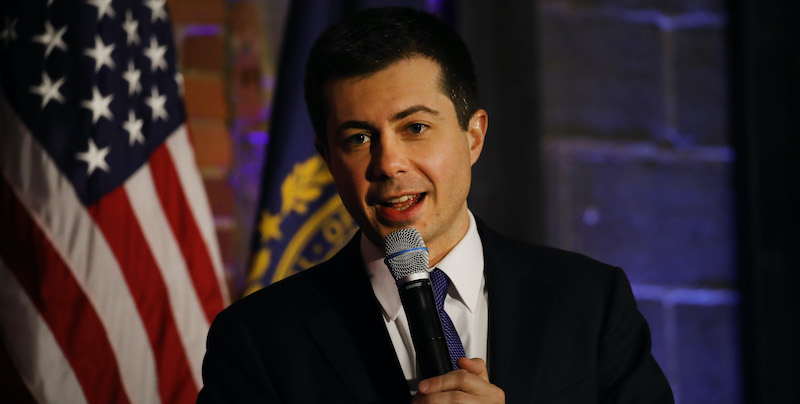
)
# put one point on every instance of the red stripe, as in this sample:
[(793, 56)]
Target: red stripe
[(59, 298), (116, 219), (186, 232)]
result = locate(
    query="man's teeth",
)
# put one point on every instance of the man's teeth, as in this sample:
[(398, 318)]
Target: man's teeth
[(401, 202), (400, 199)]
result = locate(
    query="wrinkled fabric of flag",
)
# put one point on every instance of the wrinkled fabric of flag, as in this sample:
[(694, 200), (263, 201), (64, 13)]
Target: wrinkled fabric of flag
[(110, 271)]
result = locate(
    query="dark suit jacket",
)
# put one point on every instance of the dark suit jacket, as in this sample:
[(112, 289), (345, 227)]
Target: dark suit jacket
[(562, 329)]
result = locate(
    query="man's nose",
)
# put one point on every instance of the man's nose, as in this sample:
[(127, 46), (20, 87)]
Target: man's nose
[(388, 158)]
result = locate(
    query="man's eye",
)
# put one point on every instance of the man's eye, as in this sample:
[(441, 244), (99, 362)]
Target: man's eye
[(359, 138), (417, 128)]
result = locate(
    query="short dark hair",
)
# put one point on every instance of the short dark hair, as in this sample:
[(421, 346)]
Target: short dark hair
[(376, 38)]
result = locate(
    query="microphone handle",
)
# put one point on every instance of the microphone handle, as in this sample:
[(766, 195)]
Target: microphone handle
[(426, 328)]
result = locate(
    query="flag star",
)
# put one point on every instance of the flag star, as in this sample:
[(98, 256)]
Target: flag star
[(9, 32), (51, 38), (101, 54), (103, 8), (270, 227), (132, 76), (156, 55), (94, 157), (134, 128), (99, 105), (179, 80), (49, 90), (156, 102), (158, 10), (130, 26)]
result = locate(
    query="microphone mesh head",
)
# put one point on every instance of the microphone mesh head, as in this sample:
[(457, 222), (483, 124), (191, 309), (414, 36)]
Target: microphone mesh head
[(408, 262)]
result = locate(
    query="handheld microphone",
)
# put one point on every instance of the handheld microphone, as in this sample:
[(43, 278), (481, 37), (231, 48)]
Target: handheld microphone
[(407, 259)]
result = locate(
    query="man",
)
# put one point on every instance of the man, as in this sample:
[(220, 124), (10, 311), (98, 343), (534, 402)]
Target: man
[(393, 100)]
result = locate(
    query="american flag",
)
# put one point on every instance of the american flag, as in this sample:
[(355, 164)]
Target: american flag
[(110, 272)]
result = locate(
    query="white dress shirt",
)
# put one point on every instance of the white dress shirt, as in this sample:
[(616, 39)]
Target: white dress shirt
[(466, 302)]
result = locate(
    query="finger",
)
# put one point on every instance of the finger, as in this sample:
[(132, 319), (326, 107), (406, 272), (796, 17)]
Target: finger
[(476, 366), (444, 397), (459, 379)]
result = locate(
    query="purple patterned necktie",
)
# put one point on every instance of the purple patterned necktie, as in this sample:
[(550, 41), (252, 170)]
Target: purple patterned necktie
[(441, 283)]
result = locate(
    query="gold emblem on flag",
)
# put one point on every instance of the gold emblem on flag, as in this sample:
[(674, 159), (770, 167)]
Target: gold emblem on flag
[(319, 236)]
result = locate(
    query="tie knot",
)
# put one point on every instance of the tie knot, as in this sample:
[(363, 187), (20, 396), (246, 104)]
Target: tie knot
[(440, 283)]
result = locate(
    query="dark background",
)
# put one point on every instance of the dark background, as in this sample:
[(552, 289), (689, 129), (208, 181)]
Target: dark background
[(659, 136)]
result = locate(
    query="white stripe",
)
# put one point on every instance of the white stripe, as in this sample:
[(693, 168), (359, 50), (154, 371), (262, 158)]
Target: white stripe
[(186, 308), (33, 348), (183, 156), (53, 204)]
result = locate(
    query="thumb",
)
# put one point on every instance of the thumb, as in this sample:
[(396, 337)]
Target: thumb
[(475, 366)]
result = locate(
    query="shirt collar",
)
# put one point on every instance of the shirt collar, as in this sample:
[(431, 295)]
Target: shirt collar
[(463, 265)]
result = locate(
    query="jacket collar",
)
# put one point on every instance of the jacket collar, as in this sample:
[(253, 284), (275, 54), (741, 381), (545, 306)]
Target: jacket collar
[(351, 332)]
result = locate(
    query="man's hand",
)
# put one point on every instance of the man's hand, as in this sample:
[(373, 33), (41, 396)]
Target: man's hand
[(468, 384)]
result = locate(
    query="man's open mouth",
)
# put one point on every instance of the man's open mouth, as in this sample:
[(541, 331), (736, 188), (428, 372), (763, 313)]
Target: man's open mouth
[(403, 202)]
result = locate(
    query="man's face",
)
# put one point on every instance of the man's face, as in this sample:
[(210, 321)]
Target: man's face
[(398, 155)]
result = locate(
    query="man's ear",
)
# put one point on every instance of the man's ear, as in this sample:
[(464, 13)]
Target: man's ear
[(476, 133)]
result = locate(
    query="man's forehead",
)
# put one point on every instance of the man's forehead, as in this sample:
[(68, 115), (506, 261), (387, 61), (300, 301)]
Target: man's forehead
[(406, 84)]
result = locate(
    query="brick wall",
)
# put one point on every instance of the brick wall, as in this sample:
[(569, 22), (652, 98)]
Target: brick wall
[(227, 54), (638, 170), (200, 36)]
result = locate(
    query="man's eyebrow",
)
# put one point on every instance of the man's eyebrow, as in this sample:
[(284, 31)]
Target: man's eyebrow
[(364, 125), (412, 110), (357, 125)]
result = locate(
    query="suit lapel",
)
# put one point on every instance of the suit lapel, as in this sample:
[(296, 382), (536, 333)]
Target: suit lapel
[(518, 315), (351, 332)]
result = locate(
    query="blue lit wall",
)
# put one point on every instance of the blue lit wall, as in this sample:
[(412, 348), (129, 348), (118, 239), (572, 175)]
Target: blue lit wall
[(624, 135), (639, 168)]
